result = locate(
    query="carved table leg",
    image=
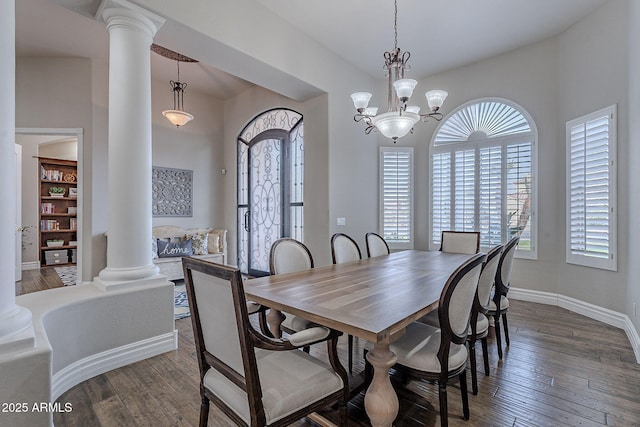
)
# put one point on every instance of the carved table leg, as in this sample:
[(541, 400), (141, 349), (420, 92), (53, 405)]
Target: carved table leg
[(274, 320), (381, 401)]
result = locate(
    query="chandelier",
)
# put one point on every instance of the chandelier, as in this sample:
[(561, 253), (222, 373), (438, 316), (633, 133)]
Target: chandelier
[(400, 117), (177, 116)]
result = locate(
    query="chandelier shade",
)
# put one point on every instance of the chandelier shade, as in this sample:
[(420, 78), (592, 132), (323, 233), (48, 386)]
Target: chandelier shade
[(177, 117), (394, 124), (400, 117)]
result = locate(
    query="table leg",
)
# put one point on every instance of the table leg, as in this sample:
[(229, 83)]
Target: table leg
[(274, 320), (381, 401)]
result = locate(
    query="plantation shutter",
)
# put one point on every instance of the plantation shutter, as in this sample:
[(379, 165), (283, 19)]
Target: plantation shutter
[(490, 195), (441, 195), (396, 173), (590, 194), (465, 182)]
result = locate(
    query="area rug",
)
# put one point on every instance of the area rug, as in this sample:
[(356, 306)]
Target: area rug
[(181, 303), (67, 274)]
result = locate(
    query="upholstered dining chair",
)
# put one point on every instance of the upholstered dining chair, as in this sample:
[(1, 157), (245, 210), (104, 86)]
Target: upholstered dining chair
[(462, 242), (499, 305), (439, 354), (253, 379), (345, 249), (376, 245), (479, 324), (288, 256)]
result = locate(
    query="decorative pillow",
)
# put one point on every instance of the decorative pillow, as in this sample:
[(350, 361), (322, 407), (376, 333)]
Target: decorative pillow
[(154, 248), (200, 242), (171, 249), (214, 243)]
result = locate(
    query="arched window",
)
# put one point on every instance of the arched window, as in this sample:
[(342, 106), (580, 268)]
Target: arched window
[(270, 186), (483, 174)]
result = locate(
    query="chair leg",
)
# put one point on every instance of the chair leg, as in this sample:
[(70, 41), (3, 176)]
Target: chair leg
[(306, 349), (505, 326), (498, 337), (485, 355), (204, 412), (474, 374), (350, 354), (442, 397), (464, 394)]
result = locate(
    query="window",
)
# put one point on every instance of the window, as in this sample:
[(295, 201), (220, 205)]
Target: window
[(396, 196), (482, 175), (591, 190)]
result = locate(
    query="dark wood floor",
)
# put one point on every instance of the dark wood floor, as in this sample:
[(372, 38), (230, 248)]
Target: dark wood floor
[(562, 369)]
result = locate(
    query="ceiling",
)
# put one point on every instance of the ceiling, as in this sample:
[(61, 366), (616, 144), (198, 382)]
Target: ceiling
[(439, 34)]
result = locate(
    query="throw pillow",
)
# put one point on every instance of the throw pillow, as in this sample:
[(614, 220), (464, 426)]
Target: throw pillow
[(171, 249), (200, 243), (154, 248), (214, 243)]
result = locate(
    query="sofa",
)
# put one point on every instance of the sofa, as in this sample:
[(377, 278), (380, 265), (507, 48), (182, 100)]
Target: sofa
[(171, 243)]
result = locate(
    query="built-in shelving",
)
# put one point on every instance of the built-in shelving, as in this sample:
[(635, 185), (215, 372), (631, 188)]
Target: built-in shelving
[(58, 212)]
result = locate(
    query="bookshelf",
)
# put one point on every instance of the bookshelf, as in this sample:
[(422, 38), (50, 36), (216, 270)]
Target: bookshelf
[(57, 234)]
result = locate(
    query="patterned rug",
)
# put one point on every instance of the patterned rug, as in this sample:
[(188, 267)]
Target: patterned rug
[(181, 302), (68, 276)]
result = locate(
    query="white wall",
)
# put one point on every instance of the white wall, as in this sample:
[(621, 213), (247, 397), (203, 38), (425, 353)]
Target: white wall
[(633, 180), (593, 69), (197, 146)]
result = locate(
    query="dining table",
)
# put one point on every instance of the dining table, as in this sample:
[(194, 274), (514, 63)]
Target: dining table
[(373, 299)]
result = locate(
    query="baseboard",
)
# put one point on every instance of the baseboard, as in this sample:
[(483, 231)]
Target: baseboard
[(33, 265), (592, 311), (100, 363)]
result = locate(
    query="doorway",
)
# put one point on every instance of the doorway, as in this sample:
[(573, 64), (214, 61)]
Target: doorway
[(63, 143), (270, 186)]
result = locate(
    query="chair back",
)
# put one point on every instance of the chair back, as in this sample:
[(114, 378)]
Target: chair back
[(455, 304), (461, 242), (503, 275), (288, 256), (221, 325), (344, 249), (487, 277), (376, 245)]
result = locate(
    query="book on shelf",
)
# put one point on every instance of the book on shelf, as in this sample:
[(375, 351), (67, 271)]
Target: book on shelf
[(48, 208), (49, 225), (73, 223)]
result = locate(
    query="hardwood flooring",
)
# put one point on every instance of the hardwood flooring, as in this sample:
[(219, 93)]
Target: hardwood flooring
[(562, 369)]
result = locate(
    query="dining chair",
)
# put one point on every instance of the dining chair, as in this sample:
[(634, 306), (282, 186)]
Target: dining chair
[(499, 304), (253, 379), (461, 242), (439, 354), (479, 324), (288, 256), (376, 245), (345, 249)]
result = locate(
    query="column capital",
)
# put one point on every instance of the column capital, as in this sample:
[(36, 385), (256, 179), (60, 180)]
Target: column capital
[(124, 13)]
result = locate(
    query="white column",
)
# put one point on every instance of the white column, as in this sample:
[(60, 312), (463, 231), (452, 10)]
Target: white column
[(131, 30), (16, 329)]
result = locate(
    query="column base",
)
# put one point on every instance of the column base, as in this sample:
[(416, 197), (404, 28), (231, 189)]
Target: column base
[(111, 279), (16, 331)]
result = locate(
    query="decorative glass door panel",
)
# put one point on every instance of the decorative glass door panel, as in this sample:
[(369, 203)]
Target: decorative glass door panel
[(265, 218), (270, 186)]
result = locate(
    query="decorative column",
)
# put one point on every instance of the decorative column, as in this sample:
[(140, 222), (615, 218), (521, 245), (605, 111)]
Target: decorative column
[(131, 30), (16, 330)]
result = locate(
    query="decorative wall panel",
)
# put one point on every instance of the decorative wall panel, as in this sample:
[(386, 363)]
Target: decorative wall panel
[(172, 191)]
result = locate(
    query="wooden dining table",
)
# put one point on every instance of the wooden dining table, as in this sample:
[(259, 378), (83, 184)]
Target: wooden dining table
[(373, 299)]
